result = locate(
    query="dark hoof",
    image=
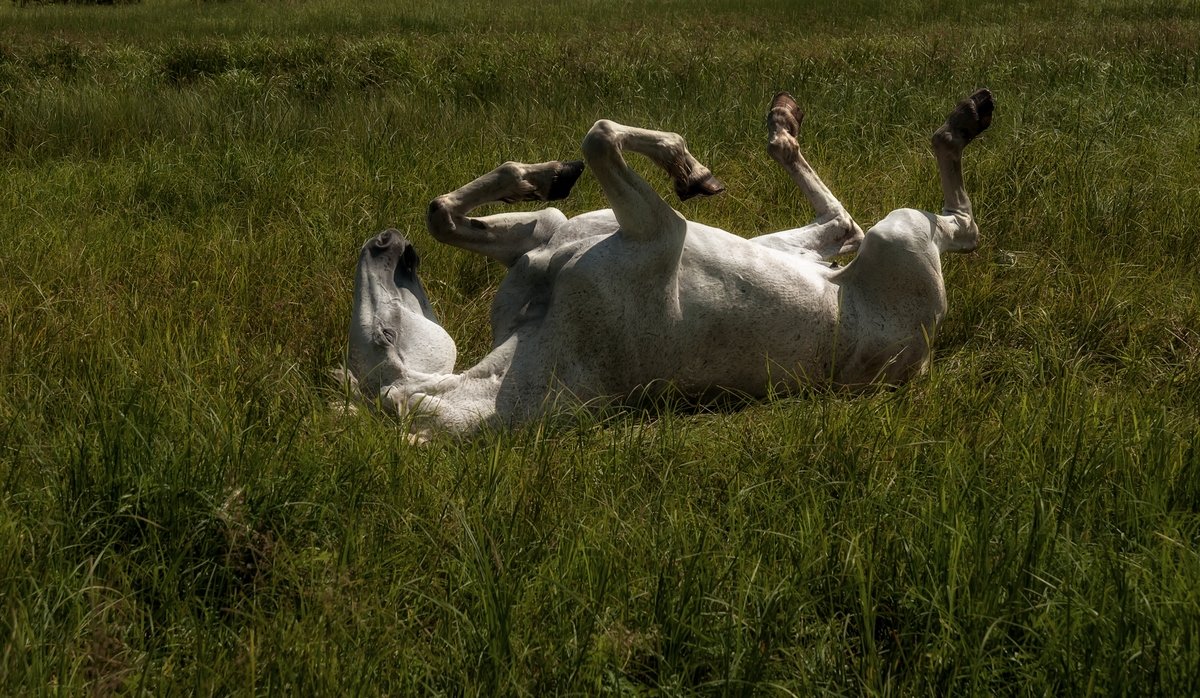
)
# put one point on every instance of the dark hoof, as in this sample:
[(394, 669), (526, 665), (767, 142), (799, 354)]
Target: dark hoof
[(785, 114), (703, 185), (564, 179), (970, 118)]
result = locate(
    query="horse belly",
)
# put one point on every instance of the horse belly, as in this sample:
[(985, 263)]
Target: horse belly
[(755, 339), (729, 316)]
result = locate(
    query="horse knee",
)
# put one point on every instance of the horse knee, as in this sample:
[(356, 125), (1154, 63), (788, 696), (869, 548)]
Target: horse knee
[(600, 139)]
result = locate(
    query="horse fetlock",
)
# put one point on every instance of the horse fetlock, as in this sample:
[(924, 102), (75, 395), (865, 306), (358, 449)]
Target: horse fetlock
[(439, 218), (783, 147)]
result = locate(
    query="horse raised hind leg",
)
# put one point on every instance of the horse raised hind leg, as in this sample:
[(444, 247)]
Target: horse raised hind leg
[(892, 293), (833, 232)]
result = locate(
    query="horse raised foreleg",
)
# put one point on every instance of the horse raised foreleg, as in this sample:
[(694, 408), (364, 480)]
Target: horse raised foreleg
[(504, 237), (640, 211)]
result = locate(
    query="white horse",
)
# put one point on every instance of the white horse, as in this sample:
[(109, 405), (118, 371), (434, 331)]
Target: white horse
[(635, 299)]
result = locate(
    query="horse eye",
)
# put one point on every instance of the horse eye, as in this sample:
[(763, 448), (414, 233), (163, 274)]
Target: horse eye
[(389, 334)]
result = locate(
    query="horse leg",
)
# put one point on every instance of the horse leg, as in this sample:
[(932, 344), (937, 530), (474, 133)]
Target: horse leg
[(897, 273), (640, 212), (956, 230), (457, 404), (504, 237), (833, 231)]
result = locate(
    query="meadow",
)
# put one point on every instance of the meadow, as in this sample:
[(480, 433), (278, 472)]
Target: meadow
[(184, 187)]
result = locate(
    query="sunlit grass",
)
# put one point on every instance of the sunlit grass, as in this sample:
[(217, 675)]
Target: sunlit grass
[(183, 190)]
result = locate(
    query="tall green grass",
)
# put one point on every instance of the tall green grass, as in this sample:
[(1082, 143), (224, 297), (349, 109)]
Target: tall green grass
[(183, 190)]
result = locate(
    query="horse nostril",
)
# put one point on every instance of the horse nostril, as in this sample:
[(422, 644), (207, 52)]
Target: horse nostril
[(410, 258)]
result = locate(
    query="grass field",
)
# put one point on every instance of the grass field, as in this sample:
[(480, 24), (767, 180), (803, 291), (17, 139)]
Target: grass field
[(183, 190)]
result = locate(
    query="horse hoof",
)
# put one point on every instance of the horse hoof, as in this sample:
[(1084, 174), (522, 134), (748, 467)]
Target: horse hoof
[(969, 118), (785, 114), (564, 179), (704, 184)]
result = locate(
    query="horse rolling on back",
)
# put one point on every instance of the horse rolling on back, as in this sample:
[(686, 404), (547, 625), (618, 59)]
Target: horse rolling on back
[(627, 300)]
